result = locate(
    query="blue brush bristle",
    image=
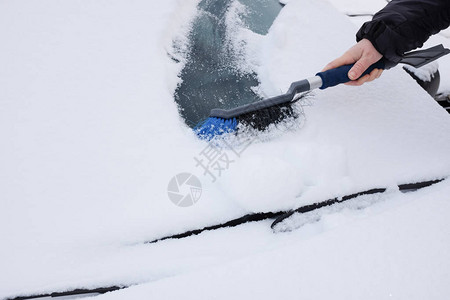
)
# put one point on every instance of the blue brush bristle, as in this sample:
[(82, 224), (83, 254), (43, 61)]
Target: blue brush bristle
[(213, 127)]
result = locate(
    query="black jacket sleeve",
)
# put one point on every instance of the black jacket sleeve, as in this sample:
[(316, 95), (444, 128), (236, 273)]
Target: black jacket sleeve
[(404, 25)]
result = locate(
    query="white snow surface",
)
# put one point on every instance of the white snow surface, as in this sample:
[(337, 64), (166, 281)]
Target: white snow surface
[(393, 250), (358, 7), (426, 72), (91, 137)]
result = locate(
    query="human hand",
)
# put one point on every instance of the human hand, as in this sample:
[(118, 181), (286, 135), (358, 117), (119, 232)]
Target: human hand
[(363, 55)]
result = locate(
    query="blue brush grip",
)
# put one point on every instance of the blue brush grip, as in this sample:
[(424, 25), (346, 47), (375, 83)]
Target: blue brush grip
[(339, 75)]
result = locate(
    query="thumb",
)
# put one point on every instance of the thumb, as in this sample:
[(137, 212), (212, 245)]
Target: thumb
[(358, 68)]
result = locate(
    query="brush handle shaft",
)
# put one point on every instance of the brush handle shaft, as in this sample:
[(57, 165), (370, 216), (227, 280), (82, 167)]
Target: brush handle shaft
[(296, 87), (322, 80), (339, 75)]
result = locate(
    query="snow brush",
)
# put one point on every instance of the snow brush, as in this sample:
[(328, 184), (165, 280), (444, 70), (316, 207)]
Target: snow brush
[(268, 111)]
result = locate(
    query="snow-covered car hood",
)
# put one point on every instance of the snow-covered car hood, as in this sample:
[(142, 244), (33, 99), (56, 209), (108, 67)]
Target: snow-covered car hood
[(92, 136)]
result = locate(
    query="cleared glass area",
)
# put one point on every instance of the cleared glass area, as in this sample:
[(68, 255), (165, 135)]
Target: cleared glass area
[(211, 78)]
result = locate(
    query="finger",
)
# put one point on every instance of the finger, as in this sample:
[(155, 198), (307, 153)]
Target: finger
[(345, 59), (366, 78), (358, 69), (373, 75), (360, 81), (363, 79), (379, 73)]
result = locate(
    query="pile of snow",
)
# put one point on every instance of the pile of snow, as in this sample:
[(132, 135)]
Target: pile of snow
[(424, 73)]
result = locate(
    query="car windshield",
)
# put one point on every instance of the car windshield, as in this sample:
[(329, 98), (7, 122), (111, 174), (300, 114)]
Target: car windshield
[(216, 73)]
